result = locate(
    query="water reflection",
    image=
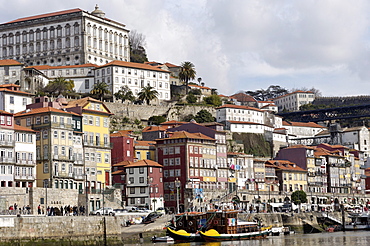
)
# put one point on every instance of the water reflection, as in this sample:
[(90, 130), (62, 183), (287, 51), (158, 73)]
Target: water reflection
[(358, 238)]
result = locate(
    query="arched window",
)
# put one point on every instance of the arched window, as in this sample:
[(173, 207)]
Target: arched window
[(77, 41)]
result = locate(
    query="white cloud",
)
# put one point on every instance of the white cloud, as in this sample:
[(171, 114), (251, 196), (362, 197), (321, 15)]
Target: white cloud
[(245, 45)]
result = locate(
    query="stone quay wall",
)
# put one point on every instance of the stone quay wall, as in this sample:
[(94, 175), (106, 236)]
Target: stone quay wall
[(28, 228)]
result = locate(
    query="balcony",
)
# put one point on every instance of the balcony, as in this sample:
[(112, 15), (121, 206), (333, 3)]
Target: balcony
[(99, 145), (7, 143), (62, 158), (363, 176), (78, 176), (25, 163), (4, 160), (311, 174), (24, 177), (78, 162), (63, 175), (363, 167)]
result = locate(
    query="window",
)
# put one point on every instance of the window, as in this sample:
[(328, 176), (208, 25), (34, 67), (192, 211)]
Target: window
[(87, 86), (55, 134), (141, 180), (11, 100), (142, 190), (46, 167)]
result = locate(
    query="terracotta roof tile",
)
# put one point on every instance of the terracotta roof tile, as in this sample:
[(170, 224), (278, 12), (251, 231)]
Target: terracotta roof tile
[(184, 134), (285, 165), (200, 87), (170, 65), (302, 124), (40, 110), (47, 67), (144, 143), (122, 163), (45, 15), (240, 107), (154, 129), (23, 129), (242, 97), (122, 133), (144, 163), (9, 62), (134, 65)]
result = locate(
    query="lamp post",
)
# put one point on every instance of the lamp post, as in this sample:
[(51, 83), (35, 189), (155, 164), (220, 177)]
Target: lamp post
[(177, 184), (46, 184)]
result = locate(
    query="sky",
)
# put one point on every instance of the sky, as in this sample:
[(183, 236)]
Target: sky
[(240, 45)]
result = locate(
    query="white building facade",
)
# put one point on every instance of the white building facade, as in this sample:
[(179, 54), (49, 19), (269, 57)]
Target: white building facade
[(68, 37), (292, 101)]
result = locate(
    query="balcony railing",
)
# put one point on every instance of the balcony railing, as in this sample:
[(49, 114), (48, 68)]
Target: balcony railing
[(363, 167), (62, 157), (4, 143), (25, 162), (24, 177), (100, 145), (7, 160)]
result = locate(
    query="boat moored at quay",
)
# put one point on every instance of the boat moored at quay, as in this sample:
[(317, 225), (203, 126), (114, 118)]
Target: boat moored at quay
[(214, 225)]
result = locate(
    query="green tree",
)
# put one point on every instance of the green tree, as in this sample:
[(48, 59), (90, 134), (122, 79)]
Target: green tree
[(100, 90), (213, 100), (156, 119), (147, 94), (124, 94), (197, 92), (59, 86), (191, 98), (188, 118), (298, 197), (187, 72), (271, 92), (204, 116)]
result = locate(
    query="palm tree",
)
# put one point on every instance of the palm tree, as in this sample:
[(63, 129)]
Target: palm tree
[(59, 86), (147, 94), (187, 72), (100, 89)]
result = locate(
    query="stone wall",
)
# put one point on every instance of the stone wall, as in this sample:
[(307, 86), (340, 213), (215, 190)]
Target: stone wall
[(58, 227), (144, 112)]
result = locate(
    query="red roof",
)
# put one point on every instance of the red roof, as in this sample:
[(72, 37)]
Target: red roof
[(23, 129), (41, 110), (122, 133), (285, 165), (45, 15), (134, 65), (200, 87), (47, 67), (9, 62), (242, 97), (303, 124), (240, 107), (144, 143), (170, 65), (144, 163), (184, 134), (154, 129)]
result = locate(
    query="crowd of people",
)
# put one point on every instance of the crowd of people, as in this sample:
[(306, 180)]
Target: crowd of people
[(66, 210), (15, 209)]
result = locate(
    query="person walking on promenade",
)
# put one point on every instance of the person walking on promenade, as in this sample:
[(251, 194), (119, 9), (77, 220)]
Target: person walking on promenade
[(39, 209)]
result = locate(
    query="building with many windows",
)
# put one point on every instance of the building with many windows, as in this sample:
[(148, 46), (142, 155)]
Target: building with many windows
[(189, 168), (68, 37), (96, 141), (293, 101), (55, 148)]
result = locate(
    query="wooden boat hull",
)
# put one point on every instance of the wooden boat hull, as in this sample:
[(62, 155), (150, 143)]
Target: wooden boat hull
[(183, 236), (234, 237)]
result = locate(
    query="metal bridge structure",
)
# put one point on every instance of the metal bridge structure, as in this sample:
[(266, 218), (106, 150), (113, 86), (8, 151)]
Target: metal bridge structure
[(328, 114)]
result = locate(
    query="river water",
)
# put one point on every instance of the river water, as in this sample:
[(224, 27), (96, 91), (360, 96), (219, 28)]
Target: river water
[(357, 238)]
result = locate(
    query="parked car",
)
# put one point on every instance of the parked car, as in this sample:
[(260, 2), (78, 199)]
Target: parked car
[(131, 208), (161, 210), (105, 211), (120, 211), (151, 217)]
